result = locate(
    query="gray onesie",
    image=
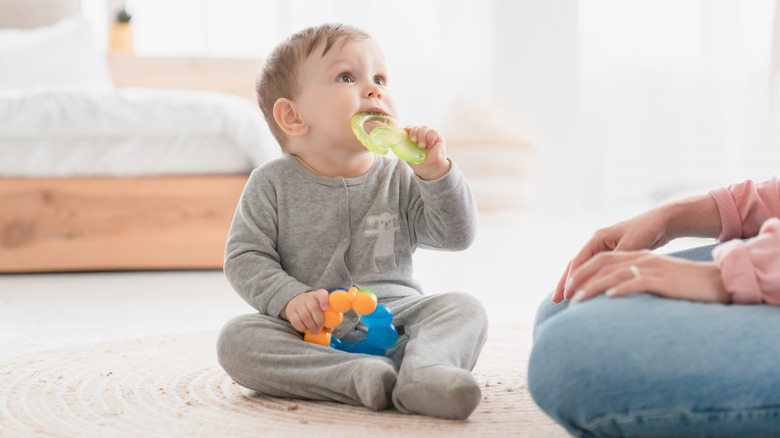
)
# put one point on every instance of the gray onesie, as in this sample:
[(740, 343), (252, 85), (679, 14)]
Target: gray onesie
[(294, 231)]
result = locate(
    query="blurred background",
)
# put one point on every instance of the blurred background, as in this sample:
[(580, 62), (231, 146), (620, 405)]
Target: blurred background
[(565, 115), (627, 103)]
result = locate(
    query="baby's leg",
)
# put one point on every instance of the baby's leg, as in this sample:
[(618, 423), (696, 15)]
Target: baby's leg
[(266, 354), (446, 334)]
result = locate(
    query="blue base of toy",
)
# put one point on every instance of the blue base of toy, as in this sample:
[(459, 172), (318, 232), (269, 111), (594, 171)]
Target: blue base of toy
[(381, 334)]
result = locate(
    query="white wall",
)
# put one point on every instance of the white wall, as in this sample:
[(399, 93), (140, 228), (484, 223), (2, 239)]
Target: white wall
[(629, 102), (535, 80)]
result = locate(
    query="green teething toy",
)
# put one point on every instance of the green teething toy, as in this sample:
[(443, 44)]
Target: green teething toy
[(390, 136)]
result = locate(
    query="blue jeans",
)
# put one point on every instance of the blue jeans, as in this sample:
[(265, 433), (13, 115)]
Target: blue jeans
[(649, 366)]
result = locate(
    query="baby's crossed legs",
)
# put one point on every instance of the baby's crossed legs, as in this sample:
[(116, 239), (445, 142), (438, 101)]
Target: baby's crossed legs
[(444, 336), (266, 354)]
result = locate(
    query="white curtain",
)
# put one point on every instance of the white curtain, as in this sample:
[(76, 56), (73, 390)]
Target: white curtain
[(629, 102), (425, 42), (675, 97)]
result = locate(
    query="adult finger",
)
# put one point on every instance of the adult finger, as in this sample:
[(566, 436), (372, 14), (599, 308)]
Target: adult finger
[(580, 272), (606, 261), (608, 278), (630, 287), (592, 248), (559, 288)]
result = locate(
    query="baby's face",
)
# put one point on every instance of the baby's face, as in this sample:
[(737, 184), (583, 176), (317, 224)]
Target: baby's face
[(350, 78)]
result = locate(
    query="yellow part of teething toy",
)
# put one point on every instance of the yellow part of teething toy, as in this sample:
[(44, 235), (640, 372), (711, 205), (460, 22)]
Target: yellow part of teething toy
[(389, 135)]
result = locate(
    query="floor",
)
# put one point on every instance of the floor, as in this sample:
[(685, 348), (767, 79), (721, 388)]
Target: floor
[(513, 265)]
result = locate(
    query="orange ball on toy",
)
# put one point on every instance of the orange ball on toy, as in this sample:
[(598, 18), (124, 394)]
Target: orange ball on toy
[(321, 338), (339, 301), (332, 318), (365, 302)]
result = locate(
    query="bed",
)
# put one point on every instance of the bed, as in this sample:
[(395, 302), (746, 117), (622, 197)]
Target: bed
[(99, 169)]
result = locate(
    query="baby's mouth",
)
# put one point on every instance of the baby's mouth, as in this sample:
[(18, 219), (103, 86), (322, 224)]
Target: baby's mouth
[(370, 124), (374, 118)]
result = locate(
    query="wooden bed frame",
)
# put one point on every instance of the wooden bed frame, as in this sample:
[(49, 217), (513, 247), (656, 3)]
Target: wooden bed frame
[(127, 223), (93, 224)]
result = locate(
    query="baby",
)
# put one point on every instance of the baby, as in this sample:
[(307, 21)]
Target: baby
[(332, 214)]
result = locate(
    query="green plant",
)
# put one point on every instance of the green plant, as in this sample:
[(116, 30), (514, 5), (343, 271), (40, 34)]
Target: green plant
[(123, 16)]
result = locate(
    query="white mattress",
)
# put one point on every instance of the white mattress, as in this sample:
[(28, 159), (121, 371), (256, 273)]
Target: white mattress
[(130, 132), (61, 116)]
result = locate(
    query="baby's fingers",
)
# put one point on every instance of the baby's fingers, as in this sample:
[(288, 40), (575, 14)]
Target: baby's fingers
[(413, 132), (322, 296), (430, 138), (313, 318), (424, 136)]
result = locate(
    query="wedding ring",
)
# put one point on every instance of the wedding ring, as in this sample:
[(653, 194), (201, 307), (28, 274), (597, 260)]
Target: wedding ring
[(634, 271)]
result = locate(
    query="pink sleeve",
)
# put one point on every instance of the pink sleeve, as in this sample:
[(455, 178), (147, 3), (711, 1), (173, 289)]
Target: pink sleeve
[(751, 269), (745, 206)]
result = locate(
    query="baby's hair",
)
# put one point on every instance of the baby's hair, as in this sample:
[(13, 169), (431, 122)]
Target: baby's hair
[(278, 77)]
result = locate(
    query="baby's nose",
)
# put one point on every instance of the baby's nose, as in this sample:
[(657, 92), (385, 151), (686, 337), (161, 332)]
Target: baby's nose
[(375, 91)]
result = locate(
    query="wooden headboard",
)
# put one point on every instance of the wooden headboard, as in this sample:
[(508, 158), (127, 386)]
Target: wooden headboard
[(233, 76), (26, 14)]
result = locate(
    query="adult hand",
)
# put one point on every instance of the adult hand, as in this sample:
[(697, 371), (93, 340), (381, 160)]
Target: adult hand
[(645, 231), (618, 274), (305, 311)]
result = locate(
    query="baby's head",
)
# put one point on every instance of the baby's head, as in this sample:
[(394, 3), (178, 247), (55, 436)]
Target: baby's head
[(280, 75)]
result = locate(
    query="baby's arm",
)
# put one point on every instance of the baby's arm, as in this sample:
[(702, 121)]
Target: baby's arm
[(305, 311), (436, 164)]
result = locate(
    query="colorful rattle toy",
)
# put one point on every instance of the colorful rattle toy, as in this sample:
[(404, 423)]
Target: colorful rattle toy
[(377, 317), (388, 135)]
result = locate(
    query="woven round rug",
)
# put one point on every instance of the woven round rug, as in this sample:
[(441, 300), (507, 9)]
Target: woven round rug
[(172, 386)]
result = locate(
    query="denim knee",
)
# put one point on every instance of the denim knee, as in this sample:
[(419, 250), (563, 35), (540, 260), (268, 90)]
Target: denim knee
[(554, 377), (546, 310), (647, 366)]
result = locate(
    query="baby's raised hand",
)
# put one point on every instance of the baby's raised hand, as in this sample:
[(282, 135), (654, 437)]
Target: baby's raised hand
[(436, 164), (305, 311)]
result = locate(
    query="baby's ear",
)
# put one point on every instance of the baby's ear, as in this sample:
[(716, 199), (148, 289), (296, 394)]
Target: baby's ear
[(287, 117)]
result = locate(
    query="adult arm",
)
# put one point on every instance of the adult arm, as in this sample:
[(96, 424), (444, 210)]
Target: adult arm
[(743, 271), (745, 206), (750, 269), (696, 216)]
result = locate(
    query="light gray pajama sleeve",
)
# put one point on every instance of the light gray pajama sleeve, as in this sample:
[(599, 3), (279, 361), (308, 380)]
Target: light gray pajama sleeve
[(444, 216), (252, 264)]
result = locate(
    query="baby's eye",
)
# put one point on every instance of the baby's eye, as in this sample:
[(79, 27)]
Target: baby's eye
[(380, 80), (345, 77)]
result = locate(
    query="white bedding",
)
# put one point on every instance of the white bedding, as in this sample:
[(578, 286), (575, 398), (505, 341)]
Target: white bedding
[(130, 131), (61, 116)]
